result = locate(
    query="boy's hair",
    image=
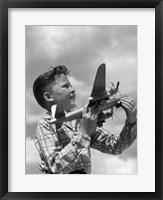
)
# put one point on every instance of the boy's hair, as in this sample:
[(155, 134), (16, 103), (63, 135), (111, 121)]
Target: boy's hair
[(46, 79)]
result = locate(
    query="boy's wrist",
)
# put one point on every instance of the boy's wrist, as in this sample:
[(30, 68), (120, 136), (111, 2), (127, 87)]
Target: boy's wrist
[(131, 123), (82, 139)]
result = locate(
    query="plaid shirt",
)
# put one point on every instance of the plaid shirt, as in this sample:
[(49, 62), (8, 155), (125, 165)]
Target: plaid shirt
[(65, 150)]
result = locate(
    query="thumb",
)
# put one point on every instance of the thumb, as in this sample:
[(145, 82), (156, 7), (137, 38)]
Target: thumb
[(85, 108)]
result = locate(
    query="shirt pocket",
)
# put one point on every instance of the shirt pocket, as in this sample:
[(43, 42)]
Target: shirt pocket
[(63, 136)]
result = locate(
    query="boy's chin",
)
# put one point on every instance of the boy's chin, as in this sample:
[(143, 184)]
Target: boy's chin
[(72, 106)]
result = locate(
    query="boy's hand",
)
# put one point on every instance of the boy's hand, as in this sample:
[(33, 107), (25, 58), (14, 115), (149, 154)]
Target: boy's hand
[(128, 104), (89, 119)]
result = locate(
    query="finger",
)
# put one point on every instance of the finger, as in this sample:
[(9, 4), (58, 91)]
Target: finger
[(128, 98), (85, 108), (131, 106), (111, 102), (128, 101), (94, 109), (126, 106), (95, 114)]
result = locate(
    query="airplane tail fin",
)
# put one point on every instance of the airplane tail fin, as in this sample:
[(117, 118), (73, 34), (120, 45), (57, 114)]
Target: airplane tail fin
[(99, 83)]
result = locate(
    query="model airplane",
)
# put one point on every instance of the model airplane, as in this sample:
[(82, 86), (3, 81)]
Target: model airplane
[(98, 94)]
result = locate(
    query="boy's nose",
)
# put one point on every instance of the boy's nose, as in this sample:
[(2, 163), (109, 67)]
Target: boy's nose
[(72, 90)]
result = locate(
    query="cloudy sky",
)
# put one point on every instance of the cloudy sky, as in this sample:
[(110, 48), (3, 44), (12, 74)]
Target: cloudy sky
[(82, 49)]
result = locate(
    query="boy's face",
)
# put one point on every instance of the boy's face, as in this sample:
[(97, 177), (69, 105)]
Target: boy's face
[(62, 92)]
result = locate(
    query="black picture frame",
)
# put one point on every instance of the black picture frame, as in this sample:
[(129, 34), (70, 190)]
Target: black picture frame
[(4, 5)]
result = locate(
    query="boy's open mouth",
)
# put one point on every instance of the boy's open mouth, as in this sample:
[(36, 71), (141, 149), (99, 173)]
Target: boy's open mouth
[(72, 98)]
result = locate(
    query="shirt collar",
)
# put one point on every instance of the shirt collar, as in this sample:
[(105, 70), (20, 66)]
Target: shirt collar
[(48, 115)]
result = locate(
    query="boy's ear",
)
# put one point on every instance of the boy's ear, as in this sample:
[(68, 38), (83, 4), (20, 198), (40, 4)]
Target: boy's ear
[(48, 96)]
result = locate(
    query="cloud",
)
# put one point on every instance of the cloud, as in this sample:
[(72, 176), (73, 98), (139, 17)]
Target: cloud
[(109, 164), (32, 158), (32, 155), (33, 111)]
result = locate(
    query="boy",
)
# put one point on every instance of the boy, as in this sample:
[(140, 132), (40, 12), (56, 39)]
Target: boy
[(65, 148)]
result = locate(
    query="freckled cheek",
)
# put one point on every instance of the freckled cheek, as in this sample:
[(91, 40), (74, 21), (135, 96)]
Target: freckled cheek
[(63, 96), (67, 96)]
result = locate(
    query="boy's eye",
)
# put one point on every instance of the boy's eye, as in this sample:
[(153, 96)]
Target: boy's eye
[(65, 86)]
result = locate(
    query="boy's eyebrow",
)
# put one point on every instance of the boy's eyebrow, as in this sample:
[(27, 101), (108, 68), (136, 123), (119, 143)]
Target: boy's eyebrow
[(65, 83)]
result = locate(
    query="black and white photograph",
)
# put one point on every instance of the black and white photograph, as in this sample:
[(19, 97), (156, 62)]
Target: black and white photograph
[(81, 99)]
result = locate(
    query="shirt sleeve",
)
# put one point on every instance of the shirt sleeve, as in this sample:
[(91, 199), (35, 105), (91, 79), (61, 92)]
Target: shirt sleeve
[(109, 143), (59, 158)]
